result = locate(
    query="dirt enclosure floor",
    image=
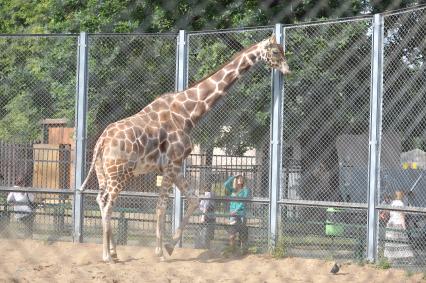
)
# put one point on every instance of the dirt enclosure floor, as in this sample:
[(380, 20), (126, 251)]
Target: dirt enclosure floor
[(38, 261)]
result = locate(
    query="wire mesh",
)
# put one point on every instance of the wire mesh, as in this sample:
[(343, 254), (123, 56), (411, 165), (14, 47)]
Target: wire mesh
[(37, 82), (212, 229), (47, 216), (326, 112), (331, 233), (133, 222), (209, 175), (403, 104), (325, 131), (403, 119), (37, 95), (401, 245), (127, 72), (231, 136)]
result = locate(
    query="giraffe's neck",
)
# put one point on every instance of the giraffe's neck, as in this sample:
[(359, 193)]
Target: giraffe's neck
[(201, 97)]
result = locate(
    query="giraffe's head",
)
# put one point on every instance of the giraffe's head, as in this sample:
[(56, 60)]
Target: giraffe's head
[(273, 54)]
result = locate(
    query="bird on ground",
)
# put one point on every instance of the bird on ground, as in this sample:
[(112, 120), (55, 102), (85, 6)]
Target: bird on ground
[(335, 268)]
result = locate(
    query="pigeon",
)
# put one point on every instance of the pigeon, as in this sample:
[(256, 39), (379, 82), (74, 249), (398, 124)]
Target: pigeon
[(335, 269)]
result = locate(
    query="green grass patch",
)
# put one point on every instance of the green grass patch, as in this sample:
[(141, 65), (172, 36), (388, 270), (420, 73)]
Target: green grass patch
[(383, 263)]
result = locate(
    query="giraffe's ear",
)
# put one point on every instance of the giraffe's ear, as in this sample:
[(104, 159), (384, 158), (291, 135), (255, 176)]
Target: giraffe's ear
[(272, 39)]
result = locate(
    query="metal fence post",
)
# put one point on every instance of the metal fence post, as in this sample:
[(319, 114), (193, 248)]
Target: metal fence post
[(181, 83), (275, 148), (375, 140), (80, 146)]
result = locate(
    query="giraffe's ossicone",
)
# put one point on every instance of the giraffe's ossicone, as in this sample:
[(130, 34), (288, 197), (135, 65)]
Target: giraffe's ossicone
[(157, 139)]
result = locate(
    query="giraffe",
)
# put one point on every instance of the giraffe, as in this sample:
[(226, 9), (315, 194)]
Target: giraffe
[(157, 139)]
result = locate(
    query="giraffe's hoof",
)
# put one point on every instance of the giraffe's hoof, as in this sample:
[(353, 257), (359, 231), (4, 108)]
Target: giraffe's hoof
[(162, 259), (169, 248), (108, 259), (114, 256), (158, 252)]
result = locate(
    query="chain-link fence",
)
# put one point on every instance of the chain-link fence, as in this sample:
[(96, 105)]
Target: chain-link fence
[(326, 138), (37, 111), (232, 141), (127, 72), (403, 123), (331, 196)]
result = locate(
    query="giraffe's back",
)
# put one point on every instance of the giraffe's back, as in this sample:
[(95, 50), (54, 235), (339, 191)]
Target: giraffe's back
[(147, 141)]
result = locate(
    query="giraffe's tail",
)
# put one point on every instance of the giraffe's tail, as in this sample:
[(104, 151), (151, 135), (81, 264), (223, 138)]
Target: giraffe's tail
[(92, 166)]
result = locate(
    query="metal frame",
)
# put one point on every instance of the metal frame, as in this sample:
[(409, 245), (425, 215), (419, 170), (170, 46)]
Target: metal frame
[(181, 83), (81, 121), (375, 137), (275, 149)]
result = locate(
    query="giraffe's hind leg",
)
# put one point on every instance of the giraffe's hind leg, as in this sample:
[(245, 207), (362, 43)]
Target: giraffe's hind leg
[(114, 186), (105, 206), (101, 199)]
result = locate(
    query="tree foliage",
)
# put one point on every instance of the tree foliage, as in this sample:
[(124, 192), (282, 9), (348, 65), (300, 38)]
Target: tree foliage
[(35, 66), (241, 121), (37, 82)]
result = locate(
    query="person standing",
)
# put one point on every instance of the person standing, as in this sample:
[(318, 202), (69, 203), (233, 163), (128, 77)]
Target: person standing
[(207, 221), (235, 188), (23, 206), (397, 246)]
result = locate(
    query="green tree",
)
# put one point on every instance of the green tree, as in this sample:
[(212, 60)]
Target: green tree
[(38, 81), (404, 97), (327, 95)]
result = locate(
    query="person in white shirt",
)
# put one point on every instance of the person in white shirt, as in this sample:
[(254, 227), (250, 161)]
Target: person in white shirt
[(208, 221), (23, 206), (397, 246)]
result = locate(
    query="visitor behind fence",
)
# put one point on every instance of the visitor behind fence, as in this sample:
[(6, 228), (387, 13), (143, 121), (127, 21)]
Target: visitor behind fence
[(235, 188), (397, 246), (207, 220), (23, 206)]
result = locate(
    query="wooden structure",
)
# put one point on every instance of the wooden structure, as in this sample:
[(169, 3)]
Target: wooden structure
[(53, 159), (51, 166)]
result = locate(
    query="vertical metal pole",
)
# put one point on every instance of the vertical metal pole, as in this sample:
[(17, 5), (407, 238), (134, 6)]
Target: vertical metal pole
[(375, 137), (80, 146), (181, 84), (275, 148)]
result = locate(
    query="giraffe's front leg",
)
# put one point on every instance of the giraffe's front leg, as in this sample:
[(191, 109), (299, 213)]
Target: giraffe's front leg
[(159, 233), (193, 203), (113, 247), (161, 217)]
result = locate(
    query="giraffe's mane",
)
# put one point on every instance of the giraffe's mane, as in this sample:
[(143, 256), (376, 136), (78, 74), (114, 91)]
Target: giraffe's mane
[(222, 66)]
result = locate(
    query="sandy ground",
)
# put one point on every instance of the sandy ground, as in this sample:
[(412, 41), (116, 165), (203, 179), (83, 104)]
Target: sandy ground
[(38, 261)]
